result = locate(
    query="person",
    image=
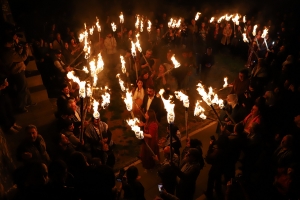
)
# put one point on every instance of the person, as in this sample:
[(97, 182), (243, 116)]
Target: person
[(151, 138), (193, 143), (227, 32), (187, 175), (133, 189), (147, 62), (68, 131), (151, 101), (253, 117), (284, 155), (64, 148), (110, 45), (146, 78), (259, 74), (207, 62), (240, 85), (33, 147), (58, 43), (62, 99), (60, 66), (7, 119), (176, 136), (138, 95), (164, 80)]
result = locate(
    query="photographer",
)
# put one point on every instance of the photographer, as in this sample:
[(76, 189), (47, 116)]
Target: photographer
[(133, 189)]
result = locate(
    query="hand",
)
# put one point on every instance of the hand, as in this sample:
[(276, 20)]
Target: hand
[(155, 157), (211, 142), (68, 68), (26, 155), (223, 128), (229, 123)]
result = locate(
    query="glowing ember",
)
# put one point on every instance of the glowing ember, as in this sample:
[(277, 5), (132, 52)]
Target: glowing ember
[(121, 18), (254, 30), (225, 82), (123, 64), (105, 100), (182, 97), (199, 111), (197, 16), (121, 83), (211, 20), (128, 100), (85, 69), (149, 26), (169, 106), (96, 113), (175, 62), (114, 27)]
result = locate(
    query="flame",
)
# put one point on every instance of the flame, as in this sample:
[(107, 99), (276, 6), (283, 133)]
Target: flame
[(207, 97), (121, 83), (113, 26), (175, 62), (128, 100), (211, 20), (98, 25), (225, 82), (137, 21), (89, 91), (137, 43), (81, 84), (93, 71), (177, 25), (170, 23), (254, 30), (84, 25), (221, 18), (85, 69), (199, 111), (100, 64), (245, 39), (81, 37), (121, 18), (227, 18), (265, 32), (141, 24), (244, 19), (123, 64), (236, 19), (169, 106), (105, 100), (182, 97), (133, 52), (96, 113), (197, 16), (149, 26), (92, 30), (135, 128)]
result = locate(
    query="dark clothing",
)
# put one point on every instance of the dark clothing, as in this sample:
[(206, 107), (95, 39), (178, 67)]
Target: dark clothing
[(61, 102), (7, 118), (168, 178), (134, 191), (155, 105)]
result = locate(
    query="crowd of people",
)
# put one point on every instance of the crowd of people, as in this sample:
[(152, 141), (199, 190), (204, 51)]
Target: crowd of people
[(256, 154)]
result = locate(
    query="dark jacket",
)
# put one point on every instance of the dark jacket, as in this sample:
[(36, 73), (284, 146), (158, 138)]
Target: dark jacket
[(155, 105)]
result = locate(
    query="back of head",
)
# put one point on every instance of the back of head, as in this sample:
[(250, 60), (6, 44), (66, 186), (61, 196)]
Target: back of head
[(194, 143), (132, 173), (58, 171), (194, 153)]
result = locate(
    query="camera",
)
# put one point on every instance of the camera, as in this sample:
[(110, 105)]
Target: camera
[(160, 187), (121, 174)]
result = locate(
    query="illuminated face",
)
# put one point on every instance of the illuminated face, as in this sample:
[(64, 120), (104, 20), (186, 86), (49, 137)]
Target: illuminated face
[(241, 77), (161, 69), (96, 122), (148, 54), (66, 90), (71, 127), (32, 134), (146, 76), (66, 45), (254, 110), (140, 84), (150, 92)]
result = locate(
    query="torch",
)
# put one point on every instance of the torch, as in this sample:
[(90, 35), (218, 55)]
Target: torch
[(149, 28), (133, 53), (199, 110), (197, 16), (113, 27), (263, 35), (169, 106), (138, 46), (185, 99), (138, 132), (176, 65), (121, 22), (98, 29)]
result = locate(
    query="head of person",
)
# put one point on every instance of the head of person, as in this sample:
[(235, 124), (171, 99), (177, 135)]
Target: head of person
[(58, 172), (167, 152), (145, 74), (148, 53), (58, 36), (72, 104), (66, 45), (287, 142), (238, 128), (255, 110), (68, 124), (232, 99), (37, 174), (62, 140), (195, 143), (96, 121), (228, 25), (65, 89), (243, 75), (151, 91), (270, 98), (192, 155), (58, 53), (162, 68), (202, 25), (109, 35), (150, 116), (193, 22), (297, 120), (77, 163), (72, 41), (132, 174), (139, 83), (31, 132)]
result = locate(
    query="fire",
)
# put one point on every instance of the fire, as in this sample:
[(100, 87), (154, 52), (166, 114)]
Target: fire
[(245, 39), (137, 23), (93, 71), (121, 18), (236, 19), (142, 25), (211, 20), (105, 100), (182, 97), (92, 30), (96, 113), (265, 32), (207, 97), (135, 128), (81, 37), (85, 69), (170, 23), (149, 26), (221, 18), (114, 27), (175, 62), (169, 106), (225, 82), (128, 100), (197, 16), (227, 18), (254, 30), (133, 52), (89, 91), (100, 64), (199, 111), (177, 25), (137, 43), (81, 84), (244, 19), (123, 64), (121, 83), (98, 25)]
